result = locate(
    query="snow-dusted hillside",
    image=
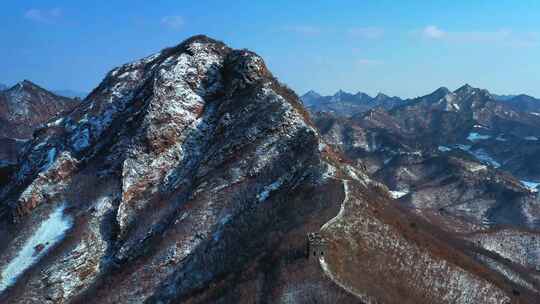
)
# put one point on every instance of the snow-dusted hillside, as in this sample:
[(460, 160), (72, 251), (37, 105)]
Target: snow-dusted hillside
[(194, 176)]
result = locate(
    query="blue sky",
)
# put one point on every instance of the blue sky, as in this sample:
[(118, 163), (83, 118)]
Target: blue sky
[(404, 48)]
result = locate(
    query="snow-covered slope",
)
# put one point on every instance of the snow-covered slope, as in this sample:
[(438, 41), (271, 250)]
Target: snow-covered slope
[(177, 171)]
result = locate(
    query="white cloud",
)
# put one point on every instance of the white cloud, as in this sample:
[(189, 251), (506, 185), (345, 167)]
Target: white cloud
[(433, 32), (43, 16), (305, 30), (503, 36), (367, 32), (173, 22)]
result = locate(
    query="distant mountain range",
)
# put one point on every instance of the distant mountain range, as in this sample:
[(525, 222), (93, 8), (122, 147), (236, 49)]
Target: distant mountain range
[(348, 104), (503, 97), (448, 152), (71, 93), (3, 86), (524, 103)]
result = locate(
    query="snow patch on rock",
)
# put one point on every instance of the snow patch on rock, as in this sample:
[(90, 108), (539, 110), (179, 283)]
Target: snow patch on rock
[(398, 193), (49, 233), (444, 149), (473, 136), (263, 196), (81, 140), (51, 156), (501, 138), (483, 156), (531, 186)]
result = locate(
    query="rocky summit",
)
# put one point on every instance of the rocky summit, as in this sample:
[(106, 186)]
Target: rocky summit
[(194, 176), (24, 108)]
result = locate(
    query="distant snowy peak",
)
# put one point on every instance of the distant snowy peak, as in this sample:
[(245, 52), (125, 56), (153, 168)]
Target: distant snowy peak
[(381, 99), (469, 91), (28, 87), (441, 92), (380, 96), (464, 89), (464, 99), (311, 94), (341, 96), (310, 97), (25, 106), (362, 95)]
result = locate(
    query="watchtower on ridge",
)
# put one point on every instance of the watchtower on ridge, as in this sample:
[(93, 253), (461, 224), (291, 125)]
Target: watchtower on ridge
[(316, 246)]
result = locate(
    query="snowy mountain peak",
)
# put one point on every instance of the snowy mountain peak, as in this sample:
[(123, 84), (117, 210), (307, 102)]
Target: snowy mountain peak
[(192, 155), (381, 96), (465, 89), (442, 91), (27, 85), (341, 93), (311, 94), (25, 106), (362, 95)]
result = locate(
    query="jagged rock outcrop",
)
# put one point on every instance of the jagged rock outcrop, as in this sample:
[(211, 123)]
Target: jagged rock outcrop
[(193, 176)]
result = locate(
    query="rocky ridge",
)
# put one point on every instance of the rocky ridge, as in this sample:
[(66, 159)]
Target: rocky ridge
[(461, 161), (347, 104)]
